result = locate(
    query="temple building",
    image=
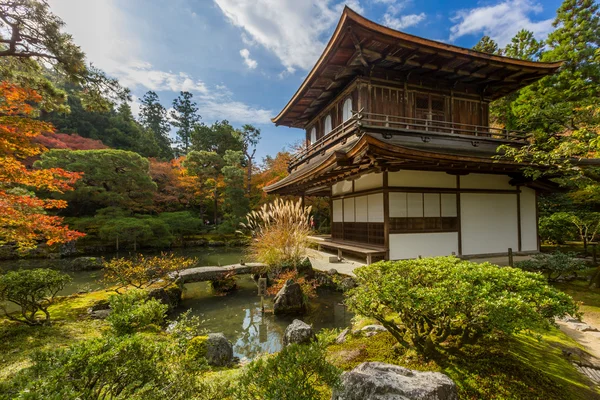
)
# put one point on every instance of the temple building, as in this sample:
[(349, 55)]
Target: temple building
[(398, 137)]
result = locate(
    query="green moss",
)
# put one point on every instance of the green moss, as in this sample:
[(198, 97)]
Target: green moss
[(196, 349), (589, 298), (522, 367)]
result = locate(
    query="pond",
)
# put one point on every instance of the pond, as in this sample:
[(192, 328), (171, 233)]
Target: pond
[(238, 315)]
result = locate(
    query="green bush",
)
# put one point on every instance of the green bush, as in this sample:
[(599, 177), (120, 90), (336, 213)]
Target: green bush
[(132, 311), (185, 328), (557, 228), (554, 266), (298, 372), (33, 291), (112, 367), (424, 303)]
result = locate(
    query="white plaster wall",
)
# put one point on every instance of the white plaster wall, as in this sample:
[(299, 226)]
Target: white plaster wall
[(529, 241), (337, 211), (415, 204), (412, 245), (488, 223), (398, 204), (349, 210), (432, 179), (341, 187), (368, 181), (485, 181), (431, 205), (361, 205), (375, 213), (449, 208)]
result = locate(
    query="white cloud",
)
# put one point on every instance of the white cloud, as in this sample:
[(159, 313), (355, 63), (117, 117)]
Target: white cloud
[(250, 63), (402, 22), (501, 21), (113, 42), (292, 29)]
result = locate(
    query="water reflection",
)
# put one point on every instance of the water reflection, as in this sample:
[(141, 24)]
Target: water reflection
[(239, 317)]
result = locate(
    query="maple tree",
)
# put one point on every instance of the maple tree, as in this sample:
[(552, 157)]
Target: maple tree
[(23, 219), (68, 141)]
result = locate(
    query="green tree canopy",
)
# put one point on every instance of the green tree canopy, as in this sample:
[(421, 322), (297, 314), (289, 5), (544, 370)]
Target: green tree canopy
[(184, 117), (112, 178), (486, 45), (30, 32), (153, 117)]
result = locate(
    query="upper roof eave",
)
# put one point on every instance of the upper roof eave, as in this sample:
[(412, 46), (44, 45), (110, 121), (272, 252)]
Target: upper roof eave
[(348, 15)]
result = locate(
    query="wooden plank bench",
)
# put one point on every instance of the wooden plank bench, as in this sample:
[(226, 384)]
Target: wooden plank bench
[(369, 252)]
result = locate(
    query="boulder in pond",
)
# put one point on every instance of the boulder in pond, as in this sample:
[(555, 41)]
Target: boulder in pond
[(170, 295), (84, 264), (381, 381), (290, 299), (219, 351), (298, 332), (305, 269)]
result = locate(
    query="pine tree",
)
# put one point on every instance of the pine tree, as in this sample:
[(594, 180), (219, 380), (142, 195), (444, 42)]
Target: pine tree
[(153, 117), (523, 46), (184, 117), (486, 45)]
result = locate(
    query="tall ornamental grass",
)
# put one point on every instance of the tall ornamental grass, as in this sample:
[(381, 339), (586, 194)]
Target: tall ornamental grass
[(280, 233)]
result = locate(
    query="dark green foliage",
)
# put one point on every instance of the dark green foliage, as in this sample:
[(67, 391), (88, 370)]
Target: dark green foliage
[(132, 312), (112, 178), (116, 128), (33, 291), (423, 303), (554, 266), (298, 372), (181, 224), (557, 228), (218, 138), (486, 45), (153, 117), (184, 117)]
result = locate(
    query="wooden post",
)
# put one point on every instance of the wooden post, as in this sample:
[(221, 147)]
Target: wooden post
[(511, 262), (386, 215)]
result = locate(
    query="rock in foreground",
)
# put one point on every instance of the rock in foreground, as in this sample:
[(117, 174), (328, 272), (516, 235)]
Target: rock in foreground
[(290, 299), (380, 381), (219, 351), (298, 332)]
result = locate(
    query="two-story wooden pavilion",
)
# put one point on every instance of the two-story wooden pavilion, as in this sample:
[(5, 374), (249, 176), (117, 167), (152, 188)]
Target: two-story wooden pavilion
[(398, 135)]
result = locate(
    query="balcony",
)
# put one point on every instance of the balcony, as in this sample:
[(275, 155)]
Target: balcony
[(391, 125)]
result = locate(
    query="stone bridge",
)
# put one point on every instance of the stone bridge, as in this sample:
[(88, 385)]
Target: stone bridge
[(201, 274)]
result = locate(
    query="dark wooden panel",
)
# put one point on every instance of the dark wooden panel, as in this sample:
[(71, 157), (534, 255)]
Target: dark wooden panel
[(360, 232), (425, 224)]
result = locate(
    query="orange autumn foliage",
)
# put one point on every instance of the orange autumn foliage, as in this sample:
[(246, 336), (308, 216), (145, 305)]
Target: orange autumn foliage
[(23, 219)]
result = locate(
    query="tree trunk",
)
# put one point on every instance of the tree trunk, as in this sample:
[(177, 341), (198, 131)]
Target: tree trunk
[(249, 177), (216, 198)]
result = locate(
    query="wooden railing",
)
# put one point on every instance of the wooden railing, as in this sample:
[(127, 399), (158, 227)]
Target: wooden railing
[(402, 124)]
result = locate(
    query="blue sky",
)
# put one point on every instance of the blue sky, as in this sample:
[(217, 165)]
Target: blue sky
[(244, 59)]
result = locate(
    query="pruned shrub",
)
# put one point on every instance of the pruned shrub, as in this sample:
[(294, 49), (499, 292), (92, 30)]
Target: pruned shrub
[(298, 372), (111, 367), (280, 233), (33, 291), (142, 272), (554, 266), (428, 304), (134, 311)]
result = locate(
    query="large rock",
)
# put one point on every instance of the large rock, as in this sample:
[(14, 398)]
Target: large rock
[(305, 269), (290, 299), (170, 295), (380, 381), (298, 332), (84, 264), (219, 351)]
